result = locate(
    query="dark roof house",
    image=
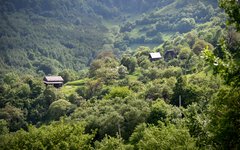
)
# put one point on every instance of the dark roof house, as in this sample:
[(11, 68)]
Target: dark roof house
[(56, 81), (155, 56), (170, 54)]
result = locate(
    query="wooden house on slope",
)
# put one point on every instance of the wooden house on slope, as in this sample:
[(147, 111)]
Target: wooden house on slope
[(56, 81)]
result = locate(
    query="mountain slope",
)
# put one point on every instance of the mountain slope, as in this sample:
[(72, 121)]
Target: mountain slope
[(48, 36), (154, 27)]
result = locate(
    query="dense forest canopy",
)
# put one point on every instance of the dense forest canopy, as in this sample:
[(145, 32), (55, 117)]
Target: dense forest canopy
[(114, 95)]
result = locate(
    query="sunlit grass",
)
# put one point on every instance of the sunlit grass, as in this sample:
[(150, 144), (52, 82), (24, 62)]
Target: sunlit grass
[(78, 82), (68, 90)]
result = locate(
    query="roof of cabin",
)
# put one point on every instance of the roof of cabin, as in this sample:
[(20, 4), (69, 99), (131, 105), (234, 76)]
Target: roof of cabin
[(53, 79), (155, 55)]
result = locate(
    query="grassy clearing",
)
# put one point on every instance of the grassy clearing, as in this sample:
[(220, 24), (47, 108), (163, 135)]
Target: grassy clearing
[(68, 90), (78, 82), (70, 87)]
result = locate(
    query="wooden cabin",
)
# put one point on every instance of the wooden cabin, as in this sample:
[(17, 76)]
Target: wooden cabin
[(155, 56), (170, 54), (56, 81)]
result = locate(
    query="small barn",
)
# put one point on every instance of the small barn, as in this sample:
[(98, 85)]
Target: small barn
[(56, 81), (155, 56)]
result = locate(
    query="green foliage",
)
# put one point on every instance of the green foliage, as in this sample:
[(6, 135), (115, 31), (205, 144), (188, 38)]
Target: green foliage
[(129, 62), (75, 99), (172, 17), (78, 82), (232, 42), (224, 114), (112, 117), (36, 87), (152, 73), (120, 92), (136, 86), (92, 88), (67, 75), (49, 36), (108, 75), (122, 71), (197, 120), (161, 88), (227, 67), (3, 127), (232, 8), (23, 91), (57, 135), (154, 92), (160, 111), (164, 137), (224, 107), (195, 88), (105, 68), (138, 134), (50, 94), (58, 108), (171, 72), (112, 143), (200, 45), (13, 116), (11, 78), (185, 25), (142, 55), (184, 53)]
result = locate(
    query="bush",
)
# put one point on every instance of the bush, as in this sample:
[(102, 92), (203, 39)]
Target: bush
[(200, 45), (120, 92), (111, 143), (166, 137), (185, 25), (59, 108), (58, 135), (184, 53), (171, 72)]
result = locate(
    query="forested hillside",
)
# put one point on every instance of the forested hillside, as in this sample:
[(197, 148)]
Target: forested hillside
[(45, 37), (115, 96), (175, 17)]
